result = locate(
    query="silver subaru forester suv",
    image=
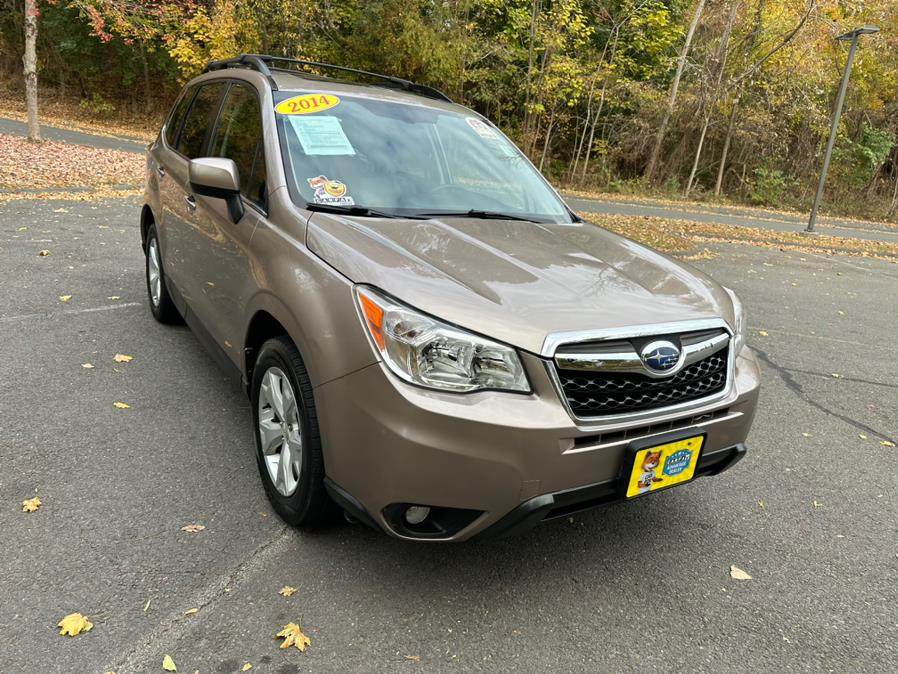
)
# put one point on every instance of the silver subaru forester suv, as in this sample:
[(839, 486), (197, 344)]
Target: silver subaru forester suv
[(432, 341)]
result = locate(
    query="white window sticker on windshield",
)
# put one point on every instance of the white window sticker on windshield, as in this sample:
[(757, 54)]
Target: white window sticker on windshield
[(482, 129), (331, 192), (321, 135)]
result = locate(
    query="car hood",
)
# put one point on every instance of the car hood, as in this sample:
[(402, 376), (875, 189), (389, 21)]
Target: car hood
[(517, 282)]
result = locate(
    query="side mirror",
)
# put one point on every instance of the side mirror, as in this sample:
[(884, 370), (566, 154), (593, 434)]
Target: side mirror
[(218, 178)]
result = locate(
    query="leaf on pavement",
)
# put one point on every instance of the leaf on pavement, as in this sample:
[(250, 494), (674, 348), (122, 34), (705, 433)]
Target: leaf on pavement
[(836, 375), (122, 358), (113, 297), (293, 636), (193, 528), (763, 333), (87, 366), (168, 664), (65, 298), (862, 436), (287, 591), (43, 253), (818, 504), (248, 666), (121, 406), (413, 658), (31, 504), (887, 443), (738, 574), (191, 611), (74, 624)]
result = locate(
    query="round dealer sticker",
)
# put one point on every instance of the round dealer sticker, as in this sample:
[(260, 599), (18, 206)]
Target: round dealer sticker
[(677, 462), (307, 103)]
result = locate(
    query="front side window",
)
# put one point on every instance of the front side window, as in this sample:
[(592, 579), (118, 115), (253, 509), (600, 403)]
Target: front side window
[(406, 159), (238, 136), (199, 119)]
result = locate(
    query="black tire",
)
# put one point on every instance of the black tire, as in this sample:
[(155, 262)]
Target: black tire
[(162, 307), (309, 506)]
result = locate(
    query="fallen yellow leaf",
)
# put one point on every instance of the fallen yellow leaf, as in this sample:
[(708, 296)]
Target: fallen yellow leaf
[(193, 528), (862, 436), (817, 504), (43, 253), (74, 624), (87, 366), (413, 658), (246, 667), (121, 406), (293, 636), (122, 358), (168, 664), (287, 591), (738, 574), (65, 298), (887, 443), (113, 297), (21, 229), (31, 504), (191, 611), (836, 375), (763, 333)]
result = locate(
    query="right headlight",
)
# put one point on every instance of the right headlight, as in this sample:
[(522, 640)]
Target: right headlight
[(739, 320), (425, 351)]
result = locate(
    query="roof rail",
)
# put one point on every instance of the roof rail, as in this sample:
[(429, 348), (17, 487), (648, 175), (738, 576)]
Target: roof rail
[(263, 63)]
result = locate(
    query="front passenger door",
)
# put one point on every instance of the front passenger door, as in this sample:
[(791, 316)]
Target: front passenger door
[(223, 272)]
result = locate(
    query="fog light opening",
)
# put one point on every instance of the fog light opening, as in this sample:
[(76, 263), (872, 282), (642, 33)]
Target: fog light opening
[(416, 514)]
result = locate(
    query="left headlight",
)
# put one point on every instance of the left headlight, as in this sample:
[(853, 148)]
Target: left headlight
[(739, 320), (428, 352)]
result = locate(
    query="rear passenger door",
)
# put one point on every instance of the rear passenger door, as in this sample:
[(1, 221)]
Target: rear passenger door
[(219, 260)]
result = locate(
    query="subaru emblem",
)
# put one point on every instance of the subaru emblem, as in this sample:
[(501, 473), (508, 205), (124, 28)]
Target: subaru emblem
[(660, 356)]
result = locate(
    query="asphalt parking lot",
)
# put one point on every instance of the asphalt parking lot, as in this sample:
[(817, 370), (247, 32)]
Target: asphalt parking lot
[(810, 513)]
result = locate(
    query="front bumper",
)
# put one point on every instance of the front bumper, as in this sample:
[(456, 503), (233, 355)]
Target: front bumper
[(515, 459)]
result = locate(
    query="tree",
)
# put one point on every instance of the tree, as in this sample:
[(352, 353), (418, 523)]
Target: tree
[(672, 97), (30, 63)]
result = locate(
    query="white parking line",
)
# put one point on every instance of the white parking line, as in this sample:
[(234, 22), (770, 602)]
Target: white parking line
[(71, 312)]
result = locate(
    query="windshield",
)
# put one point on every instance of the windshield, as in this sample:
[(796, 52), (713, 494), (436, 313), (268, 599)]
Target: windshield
[(406, 160)]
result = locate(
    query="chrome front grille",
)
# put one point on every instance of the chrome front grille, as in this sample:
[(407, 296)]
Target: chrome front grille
[(607, 379)]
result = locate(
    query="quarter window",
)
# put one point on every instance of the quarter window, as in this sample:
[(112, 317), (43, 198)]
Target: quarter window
[(199, 119), (238, 136)]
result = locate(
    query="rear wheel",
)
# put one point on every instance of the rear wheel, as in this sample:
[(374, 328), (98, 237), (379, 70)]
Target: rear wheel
[(161, 304), (288, 445)]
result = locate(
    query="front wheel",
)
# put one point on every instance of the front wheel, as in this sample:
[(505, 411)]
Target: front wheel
[(288, 445)]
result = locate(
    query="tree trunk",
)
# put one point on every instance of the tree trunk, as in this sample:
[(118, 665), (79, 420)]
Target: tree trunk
[(726, 145), (672, 98), (30, 62), (147, 87), (534, 11), (894, 205), (548, 140), (720, 61)]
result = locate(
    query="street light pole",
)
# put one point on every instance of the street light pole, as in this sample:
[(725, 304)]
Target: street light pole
[(854, 36)]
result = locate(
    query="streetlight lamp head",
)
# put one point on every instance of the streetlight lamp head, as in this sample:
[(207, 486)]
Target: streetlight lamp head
[(863, 30)]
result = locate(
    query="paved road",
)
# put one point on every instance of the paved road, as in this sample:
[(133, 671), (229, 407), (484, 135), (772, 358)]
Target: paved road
[(782, 222), (643, 586), (18, 128)]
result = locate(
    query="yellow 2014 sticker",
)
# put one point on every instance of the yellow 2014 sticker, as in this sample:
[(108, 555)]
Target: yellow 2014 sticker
[(307, 103)]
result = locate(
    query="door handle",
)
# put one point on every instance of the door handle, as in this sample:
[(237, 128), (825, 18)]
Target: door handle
[(191, 203), (161, 171)]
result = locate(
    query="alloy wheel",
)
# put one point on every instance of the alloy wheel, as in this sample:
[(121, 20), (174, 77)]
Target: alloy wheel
[(279, 431)]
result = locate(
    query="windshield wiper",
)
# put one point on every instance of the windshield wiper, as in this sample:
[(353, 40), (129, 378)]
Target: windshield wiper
[(362, 211), (474, 213)]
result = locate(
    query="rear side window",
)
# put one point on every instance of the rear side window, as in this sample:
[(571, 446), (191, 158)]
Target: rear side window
[(177, 116), (238, 136), (199, 119)]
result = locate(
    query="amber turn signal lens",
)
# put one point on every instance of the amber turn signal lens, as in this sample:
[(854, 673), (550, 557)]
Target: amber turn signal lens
[(374, 317)]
